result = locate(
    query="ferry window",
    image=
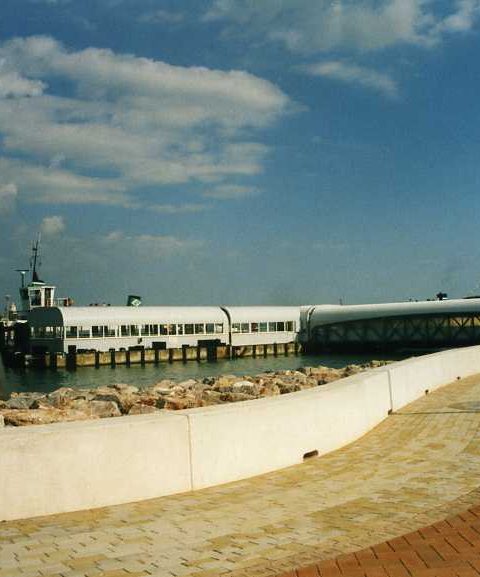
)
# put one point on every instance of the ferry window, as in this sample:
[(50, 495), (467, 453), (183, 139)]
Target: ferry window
[(40, 332), (236, 328), (125, 330), (209, 328), (154, 330), (163, 329), (263, 327), (84, 332), (280, 326), (48, 332), (172, 329), (32, 331), (219, 328), (110, 331), (199, 329), (290, 326), (245, 328), (145, 331), (36, 298), (254, 327), (272, 327), (48, 297), (180, 329), (189, 329), (97, 332), (71, 333), (134, 330)]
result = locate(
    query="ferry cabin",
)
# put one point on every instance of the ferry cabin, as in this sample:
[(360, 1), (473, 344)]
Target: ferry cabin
[(104, 328)]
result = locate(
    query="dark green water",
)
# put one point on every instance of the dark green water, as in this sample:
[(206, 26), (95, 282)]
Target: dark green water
[(49, 380)]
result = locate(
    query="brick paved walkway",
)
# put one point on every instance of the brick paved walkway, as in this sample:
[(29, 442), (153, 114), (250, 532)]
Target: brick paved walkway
[(416, 468), (449, 548)]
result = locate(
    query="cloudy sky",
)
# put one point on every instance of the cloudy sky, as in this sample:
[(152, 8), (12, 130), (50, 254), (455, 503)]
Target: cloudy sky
[(241, 151)]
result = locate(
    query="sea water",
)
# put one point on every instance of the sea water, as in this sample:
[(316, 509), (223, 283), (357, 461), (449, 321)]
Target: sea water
[(46, 380)]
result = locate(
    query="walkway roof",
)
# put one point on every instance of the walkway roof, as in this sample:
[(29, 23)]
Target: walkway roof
[(329, 314)]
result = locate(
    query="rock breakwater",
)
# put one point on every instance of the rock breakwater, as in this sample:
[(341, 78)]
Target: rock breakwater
[(68, 404)]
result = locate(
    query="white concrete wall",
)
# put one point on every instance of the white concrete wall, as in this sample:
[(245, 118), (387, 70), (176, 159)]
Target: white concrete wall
[(73, 466), (253, 437), (410, 379), (61, 467)]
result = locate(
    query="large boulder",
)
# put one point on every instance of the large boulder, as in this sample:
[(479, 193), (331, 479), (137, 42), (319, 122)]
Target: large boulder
[(124, 402), (146, 397), (270, 389), (224, 382), (245, 387), (19, 418), (22, 401), (125, 389), (289, 387), (236, 397), (163, 387), (141, 409), (96, 408), (211, 397), (186, 385), (351, 370), (62, 397), (179, 403)]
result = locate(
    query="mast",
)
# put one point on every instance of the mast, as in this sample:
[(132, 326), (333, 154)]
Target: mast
[(34, 259)]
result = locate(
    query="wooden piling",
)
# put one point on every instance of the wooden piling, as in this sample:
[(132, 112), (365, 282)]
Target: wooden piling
[(72, 358)]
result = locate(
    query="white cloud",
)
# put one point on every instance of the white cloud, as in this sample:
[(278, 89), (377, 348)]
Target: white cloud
[(129, 121), (353, 74), (52, 225), (315, 26), (49, 185), (231, 191), (178, 208), (151, 246), (232, 98), (8, 196), (462, 19), (161, 17), (13, 84)]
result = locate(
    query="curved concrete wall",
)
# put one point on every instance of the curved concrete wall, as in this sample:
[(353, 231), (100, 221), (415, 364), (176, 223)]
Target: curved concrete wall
[(73, 466)]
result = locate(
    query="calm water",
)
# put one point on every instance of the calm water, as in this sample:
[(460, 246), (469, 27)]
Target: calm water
[(46, 380)]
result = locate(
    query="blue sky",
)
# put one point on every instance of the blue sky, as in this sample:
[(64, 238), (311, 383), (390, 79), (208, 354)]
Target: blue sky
[(241, 151)]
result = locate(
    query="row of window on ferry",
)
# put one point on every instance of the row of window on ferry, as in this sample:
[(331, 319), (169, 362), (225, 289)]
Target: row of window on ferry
[(98, 331)]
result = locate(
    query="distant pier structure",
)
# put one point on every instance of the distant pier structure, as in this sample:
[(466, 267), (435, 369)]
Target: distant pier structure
[(391, 326)]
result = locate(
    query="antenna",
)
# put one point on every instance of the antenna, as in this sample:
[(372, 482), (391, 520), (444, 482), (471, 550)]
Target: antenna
[(23, 272)]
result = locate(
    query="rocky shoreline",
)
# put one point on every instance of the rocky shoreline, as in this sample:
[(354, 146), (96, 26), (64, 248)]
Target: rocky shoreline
[(66, 404)]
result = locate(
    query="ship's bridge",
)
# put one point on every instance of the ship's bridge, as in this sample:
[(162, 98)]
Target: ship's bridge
[(423, 324)]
